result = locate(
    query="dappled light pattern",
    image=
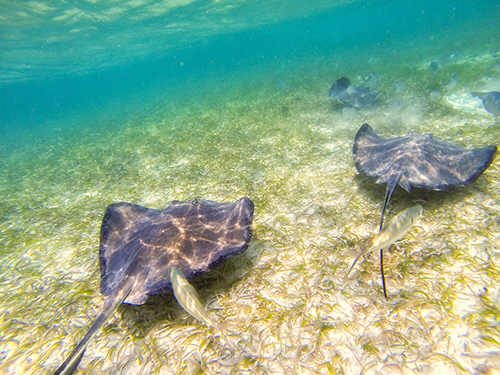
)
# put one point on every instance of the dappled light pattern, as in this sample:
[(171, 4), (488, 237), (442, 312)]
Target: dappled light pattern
[(286, 302), (195, 237), (140, 247)]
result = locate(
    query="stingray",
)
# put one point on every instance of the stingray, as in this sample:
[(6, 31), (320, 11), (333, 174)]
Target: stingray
[(339, 87), (359, 96), (491, 101), (139, 246), (422, 161), (355, 96)]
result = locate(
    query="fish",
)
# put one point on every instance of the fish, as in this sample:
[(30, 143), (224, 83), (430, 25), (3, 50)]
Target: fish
[(395, 230), (422, 161), (186, 296)]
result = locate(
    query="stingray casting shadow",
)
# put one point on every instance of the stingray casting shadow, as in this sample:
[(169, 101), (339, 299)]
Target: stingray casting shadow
[(422, 161), (139, 246)]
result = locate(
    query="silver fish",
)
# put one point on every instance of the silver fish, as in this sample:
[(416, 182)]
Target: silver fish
[(392, 232), (187, 297)]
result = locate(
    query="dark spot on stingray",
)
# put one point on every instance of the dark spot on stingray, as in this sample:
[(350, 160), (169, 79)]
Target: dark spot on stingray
[(422, 161), (139, 246)]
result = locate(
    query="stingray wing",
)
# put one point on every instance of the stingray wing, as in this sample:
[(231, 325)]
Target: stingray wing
[(422, 161), (377, 156), (194, 236), (432, 163)]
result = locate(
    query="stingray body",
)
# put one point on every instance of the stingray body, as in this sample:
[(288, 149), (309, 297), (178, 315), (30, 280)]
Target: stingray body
[(359, 96), (422, 161), (355, 96), (139, 246)]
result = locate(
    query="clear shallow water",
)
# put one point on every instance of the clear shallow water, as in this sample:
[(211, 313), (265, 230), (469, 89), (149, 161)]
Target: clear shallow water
[(246, 114)]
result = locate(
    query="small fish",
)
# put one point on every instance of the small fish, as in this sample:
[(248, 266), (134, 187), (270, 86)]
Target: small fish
[(187, 297), (392, 232)]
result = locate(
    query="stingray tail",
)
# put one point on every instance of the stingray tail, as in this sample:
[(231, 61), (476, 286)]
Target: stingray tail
[(391, 186), (70, 365)]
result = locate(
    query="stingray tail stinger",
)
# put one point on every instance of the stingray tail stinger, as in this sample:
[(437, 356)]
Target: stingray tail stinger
[(70, 365)]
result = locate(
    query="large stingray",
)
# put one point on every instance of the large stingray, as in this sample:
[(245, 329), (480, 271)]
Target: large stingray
[(422, 161), (139, 246)]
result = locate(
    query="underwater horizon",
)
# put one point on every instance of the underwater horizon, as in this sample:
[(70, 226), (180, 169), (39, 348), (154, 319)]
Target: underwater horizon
[(152, 101)]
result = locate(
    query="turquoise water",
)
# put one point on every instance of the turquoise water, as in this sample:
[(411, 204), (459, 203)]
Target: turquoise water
[(153, 101)]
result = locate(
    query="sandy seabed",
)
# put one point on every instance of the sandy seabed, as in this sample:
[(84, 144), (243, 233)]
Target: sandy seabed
[(288, 305)]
